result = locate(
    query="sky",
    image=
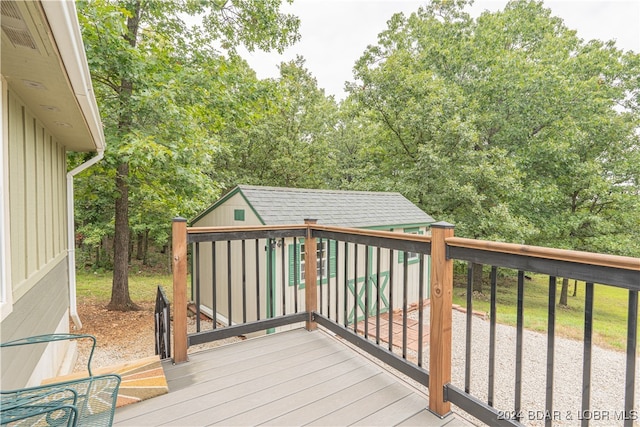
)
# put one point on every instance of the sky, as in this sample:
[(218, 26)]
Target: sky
[(335, 33)]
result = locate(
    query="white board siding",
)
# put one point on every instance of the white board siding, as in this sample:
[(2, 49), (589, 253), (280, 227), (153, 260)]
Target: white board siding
[(224, 214), (282, 285), (37, 194)]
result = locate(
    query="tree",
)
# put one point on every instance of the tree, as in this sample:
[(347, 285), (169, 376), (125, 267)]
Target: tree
[(141, 54), (508, 125), (286, 141)]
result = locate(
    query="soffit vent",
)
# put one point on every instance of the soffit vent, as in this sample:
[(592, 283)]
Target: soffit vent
[(14, 26)]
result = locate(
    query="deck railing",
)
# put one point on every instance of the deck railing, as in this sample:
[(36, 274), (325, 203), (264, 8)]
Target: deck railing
[(255, 280), (162, 324)]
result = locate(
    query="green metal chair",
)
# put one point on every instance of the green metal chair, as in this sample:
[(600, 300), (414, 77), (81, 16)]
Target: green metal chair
[(89, 401)]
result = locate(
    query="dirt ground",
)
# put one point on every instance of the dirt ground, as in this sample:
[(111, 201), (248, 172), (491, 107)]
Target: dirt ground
[(125, 336), (121, 336)]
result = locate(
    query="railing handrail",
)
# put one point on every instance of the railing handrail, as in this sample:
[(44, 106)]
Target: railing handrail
[(247, 228), (604, 260), (424, 238)]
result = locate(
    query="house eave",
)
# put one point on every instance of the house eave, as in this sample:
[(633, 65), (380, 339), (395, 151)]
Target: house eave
[(50, 74)]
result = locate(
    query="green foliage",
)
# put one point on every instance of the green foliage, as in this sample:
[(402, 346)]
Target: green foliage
[(166, 96), (286, 141), (507, 125)]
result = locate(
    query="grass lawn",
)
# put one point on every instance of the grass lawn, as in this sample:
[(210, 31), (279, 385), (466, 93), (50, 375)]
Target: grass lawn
[(609, 311), (142, 287), (609, 319)]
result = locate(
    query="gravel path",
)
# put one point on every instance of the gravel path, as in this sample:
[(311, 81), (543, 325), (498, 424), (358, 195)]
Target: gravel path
[(608, 374)]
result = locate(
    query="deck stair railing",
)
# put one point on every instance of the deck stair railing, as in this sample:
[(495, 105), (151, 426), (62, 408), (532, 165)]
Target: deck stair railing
[(162, 324), (253, 279)]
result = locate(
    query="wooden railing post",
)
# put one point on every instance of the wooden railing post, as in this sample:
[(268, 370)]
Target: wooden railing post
[(179, 260), (441, 300), (310, 275)]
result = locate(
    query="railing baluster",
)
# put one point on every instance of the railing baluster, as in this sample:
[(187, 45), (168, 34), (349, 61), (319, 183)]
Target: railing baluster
[(420, 308), (296, 276), (197, 290), (366, 291), (492, 335), (214, 287), (467, 358), (632, 345), (519, 343), (321, 269), (257, 279), (244, 282), (229, 285), (337, 293), (391, 263), (586, 361), (270, 278), (346, 282), (329, 278), (405, 297), (310, 276), (550, 349), (355, 288), (378, 299), (283, 279)]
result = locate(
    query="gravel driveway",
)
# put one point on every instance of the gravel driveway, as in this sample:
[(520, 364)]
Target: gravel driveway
[(608, 374)]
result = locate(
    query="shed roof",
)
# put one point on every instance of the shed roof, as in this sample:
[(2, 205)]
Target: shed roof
[(282, 206)]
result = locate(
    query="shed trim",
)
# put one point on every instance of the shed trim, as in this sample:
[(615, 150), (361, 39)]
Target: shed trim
[(222, 200)]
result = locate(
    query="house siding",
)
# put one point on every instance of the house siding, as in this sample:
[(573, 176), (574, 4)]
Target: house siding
[(40, 311), (36, 231), (37, 195)]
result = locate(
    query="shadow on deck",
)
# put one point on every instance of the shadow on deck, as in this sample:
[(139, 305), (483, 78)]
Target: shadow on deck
[(289, 378)]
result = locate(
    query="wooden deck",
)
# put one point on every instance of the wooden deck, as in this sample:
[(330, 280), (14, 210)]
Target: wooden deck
[(290, 378)]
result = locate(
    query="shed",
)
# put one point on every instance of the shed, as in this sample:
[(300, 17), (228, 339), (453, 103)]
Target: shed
[(280, 260)]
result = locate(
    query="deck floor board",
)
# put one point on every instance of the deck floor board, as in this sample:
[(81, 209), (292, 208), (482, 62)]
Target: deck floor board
[(291, 378)]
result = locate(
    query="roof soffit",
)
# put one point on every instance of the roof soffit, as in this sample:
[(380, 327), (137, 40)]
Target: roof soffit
[(34, 70)]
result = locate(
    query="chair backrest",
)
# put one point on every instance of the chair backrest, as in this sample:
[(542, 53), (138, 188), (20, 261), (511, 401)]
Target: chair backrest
[(85, 401)]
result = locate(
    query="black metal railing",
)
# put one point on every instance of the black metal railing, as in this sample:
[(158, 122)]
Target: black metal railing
[(493, 410), (367, 296), (239, 284), (162, 324), (254, 280)]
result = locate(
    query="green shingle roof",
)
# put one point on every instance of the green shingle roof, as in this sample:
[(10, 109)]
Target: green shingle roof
[(282, 206)]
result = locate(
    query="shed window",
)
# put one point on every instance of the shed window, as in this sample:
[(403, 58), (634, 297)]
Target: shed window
[(326, 253), (412, 257), (238, 214)]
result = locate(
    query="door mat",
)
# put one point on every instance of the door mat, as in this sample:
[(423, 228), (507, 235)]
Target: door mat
[(141, 379)]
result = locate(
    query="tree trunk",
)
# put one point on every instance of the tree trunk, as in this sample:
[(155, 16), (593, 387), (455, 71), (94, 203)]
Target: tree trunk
[(139, 245), (145, 247), (120, 299), (476, 278), (564, 292), (575, 288)]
